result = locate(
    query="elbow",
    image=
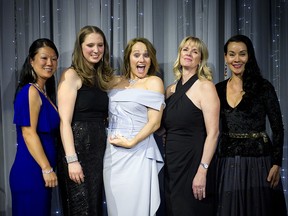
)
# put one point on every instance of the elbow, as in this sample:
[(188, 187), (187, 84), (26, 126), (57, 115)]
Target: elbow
[(156, 126), (214, 135)]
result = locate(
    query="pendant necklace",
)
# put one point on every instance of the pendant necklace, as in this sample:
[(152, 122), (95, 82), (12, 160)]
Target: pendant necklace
[(132, 81), (40, 89)]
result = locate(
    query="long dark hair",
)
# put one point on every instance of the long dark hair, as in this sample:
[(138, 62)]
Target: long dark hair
[(27, 74), (252, 77)]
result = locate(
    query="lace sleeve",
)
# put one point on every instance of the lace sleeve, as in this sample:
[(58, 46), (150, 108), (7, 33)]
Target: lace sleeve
[(275, 119)]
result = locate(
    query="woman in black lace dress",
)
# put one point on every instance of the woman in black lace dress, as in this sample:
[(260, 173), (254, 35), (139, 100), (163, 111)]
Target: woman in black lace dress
[(248, 165), (83, 109)]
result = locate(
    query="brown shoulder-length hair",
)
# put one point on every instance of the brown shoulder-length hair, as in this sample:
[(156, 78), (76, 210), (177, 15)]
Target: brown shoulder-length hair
[(203, 70), (154, 67), (99, 74)]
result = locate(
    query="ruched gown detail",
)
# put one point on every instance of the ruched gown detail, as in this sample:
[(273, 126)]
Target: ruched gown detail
[(30, 197), (131, 175)]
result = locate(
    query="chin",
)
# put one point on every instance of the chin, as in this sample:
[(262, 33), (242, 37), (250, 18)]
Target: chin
[(95, 61)]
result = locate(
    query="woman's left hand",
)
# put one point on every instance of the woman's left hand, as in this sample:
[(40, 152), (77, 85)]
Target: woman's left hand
[(274, 176), (120, 141), (199, 185)]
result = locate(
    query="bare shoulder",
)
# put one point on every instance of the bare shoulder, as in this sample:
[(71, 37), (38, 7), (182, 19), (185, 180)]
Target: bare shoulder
[(69, 73), (154, 80), (207, 93), (114, 83), (71, 78), (155, 83), (206, 85), (170, 90), (34, 96), (33, 92)]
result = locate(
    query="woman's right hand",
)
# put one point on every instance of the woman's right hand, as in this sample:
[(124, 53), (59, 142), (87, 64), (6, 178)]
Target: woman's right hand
[(75, 172)]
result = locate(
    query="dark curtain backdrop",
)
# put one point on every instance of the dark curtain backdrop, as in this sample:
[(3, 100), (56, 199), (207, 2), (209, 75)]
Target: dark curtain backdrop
[(164, 22)]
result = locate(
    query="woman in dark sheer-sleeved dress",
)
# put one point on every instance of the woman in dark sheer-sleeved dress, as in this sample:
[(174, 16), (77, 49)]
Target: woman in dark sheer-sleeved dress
[(248, 161)]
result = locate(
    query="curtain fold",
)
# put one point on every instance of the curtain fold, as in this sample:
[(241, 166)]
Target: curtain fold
[(164, 22)]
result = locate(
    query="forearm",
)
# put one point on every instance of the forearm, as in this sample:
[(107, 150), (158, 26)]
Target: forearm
[(209, 147), (35, 148), (146, 131), (67, 138)]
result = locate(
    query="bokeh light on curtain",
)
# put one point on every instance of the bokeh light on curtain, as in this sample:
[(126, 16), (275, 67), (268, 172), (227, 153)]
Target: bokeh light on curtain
[(164, 22)]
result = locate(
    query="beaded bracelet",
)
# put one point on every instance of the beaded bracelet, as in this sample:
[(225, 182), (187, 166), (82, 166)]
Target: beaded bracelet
[(71, 158), (47, 171)]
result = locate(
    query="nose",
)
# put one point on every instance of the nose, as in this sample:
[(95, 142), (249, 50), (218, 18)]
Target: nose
[(141, 58), (236, 58), (49, 61), (96, 49)]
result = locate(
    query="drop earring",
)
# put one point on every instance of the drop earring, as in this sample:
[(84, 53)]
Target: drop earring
[(225, 71), (34, 75)]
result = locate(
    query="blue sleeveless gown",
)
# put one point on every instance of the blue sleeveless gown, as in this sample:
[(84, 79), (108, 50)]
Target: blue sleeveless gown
[(29, 195)]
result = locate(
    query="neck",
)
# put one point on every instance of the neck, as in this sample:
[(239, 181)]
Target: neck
[(186, 76), (236, 83), (40, 88)]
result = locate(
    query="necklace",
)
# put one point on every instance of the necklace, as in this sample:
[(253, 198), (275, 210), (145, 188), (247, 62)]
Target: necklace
[(132, 81), (40, 89)]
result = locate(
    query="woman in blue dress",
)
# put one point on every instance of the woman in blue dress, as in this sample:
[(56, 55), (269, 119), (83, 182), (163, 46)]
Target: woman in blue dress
[(32, 175)]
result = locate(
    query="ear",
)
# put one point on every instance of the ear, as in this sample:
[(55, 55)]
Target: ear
[(225, 58), (31, 61)]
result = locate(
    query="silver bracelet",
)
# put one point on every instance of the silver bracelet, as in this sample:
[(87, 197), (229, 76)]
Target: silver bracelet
[(47, 171), (71, 158)]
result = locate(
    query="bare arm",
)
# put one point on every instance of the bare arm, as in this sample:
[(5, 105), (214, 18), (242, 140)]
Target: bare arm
[(154, 118), (210, 106), (67, 94), (170, 90), (32, 139)]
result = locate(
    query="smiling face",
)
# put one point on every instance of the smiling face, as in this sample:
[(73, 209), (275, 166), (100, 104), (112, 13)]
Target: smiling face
[(236, 57), (44, 62), (190, 56), (139, 61), (93, 48)]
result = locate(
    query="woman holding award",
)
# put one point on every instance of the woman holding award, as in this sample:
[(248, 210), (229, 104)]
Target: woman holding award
[(132, 159)]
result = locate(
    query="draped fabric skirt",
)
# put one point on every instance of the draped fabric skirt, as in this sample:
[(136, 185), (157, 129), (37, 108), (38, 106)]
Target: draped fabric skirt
[(243, 189)]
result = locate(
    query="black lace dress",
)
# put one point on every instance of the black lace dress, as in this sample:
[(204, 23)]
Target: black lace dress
[(89, 131), (246, 154)]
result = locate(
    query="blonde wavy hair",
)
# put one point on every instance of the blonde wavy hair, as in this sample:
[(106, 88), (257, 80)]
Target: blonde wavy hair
[(204, 72), (99, 74)]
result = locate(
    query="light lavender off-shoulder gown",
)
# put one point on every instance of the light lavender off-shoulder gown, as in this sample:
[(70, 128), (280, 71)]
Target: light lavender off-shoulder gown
[(131, 175)]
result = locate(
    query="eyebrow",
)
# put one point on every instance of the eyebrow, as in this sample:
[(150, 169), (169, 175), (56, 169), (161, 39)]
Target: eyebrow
[(241, 51), (146, 51)]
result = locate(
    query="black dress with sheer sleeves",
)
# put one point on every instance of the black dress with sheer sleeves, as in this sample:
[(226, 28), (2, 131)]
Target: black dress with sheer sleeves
[(246, 154)]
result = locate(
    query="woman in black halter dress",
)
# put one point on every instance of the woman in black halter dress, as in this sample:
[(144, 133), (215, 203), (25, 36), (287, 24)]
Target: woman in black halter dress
[(191, 121)]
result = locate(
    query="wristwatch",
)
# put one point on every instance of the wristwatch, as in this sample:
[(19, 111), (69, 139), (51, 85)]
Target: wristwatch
[(204, 165)]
